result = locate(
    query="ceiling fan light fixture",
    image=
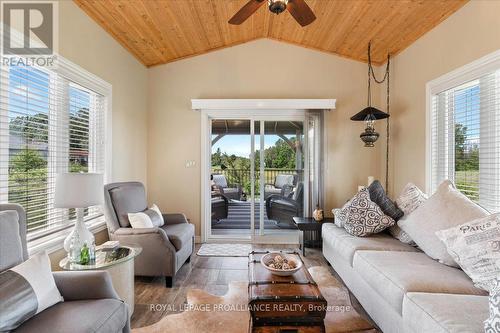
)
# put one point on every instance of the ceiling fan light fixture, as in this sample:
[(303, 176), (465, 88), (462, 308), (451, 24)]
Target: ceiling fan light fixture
[(277, 6)]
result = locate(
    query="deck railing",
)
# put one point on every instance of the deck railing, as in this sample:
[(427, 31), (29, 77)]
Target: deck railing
[(242, 176)]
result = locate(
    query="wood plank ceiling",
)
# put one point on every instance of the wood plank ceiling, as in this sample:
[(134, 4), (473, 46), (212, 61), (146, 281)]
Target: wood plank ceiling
[(162, 31)]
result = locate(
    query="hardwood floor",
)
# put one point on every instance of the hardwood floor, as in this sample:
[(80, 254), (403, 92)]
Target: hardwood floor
[(211, 274)]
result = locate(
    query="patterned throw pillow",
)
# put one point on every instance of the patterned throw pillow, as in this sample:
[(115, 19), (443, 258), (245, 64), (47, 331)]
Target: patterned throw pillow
[(408, 201), (475, 247), (378, 196), (492, 324), (363, 217)]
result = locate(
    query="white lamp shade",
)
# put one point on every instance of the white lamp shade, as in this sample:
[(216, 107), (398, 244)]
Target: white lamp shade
[(79, 190)]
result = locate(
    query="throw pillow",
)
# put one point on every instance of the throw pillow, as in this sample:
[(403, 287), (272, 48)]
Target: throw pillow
[(10, 239), (25, 290), (148, 218), (492, 324), (444, 209), (378, 196), (338, 217), (363, 217), (475, 246), (408, 201)]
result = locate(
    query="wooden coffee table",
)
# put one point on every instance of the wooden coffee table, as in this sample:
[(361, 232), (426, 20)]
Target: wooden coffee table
[(284, 303)]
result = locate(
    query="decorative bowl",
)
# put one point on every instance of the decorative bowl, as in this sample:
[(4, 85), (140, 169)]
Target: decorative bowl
[(267, 259)]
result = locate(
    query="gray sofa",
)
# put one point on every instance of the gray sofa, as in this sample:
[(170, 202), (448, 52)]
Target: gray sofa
[(164, 249), (401, 288), (90, 301)]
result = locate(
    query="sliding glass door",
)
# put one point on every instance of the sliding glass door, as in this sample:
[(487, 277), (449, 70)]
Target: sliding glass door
[(260, 176)]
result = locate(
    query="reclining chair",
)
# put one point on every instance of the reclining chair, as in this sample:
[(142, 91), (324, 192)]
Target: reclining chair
[(90, 301), (164, 249), (282, 209)]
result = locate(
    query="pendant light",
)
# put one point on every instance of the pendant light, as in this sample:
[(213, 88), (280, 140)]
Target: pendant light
[(370, 114)]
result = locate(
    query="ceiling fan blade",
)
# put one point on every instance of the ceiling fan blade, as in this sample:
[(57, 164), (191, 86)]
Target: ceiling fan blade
[(246, 11), (301, 12)]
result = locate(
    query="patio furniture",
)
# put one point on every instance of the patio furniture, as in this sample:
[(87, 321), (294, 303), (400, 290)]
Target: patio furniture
[(220, 207), (282, 209), (164, 249), (230, 191), (282, 183), (91, 304)]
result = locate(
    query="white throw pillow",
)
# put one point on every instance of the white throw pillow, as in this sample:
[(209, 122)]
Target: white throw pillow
[(444, 209), (475, 246), (338, 217), (25, 290), (363, 217), (148, 218), (410, 198), (161, 221)]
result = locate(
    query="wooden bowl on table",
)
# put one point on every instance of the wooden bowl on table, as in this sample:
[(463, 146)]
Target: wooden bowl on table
[(282, 264)]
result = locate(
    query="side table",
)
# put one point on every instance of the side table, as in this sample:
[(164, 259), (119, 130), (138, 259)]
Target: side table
[(309, 226), (119, 263)]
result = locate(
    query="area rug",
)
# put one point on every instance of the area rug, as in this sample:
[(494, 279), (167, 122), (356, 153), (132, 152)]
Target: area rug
[(207, 313), (224, 250)]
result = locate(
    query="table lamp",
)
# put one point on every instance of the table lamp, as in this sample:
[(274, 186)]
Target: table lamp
[(79, 191)]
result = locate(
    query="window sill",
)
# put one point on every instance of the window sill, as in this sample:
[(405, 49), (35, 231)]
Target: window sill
[(55, 241)]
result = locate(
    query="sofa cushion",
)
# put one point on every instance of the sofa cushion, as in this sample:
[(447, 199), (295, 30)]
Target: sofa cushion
[(282, 180), (179, 234), (126, 199), (392, 274), (102, 315), (424, 312), (345, 245), (446, 208), (220, 180)]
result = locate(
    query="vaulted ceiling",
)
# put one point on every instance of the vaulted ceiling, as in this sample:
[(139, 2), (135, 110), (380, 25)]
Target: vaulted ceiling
[(162, 31)]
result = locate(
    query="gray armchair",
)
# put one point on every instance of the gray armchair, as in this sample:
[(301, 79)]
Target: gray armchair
[(230, 191), (90, 301), (282, 184), (164, 249)]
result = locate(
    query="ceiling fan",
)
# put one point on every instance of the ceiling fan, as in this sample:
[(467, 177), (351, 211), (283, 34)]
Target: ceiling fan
[(298, 8)]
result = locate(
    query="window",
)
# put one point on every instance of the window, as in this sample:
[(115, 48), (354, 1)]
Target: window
[(464, 132), (51, 121)]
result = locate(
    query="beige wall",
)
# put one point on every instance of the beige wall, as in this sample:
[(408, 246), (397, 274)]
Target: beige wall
[(86, 44), (259, 69), (467, 35), (83, 42)]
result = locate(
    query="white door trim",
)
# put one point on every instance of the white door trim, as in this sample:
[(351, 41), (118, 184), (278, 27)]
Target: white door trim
[(252, 109)]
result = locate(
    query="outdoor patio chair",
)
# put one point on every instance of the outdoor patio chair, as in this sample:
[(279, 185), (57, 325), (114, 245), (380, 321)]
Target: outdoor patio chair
[(230, 191), (220, 207), (282, 184), (282, 209)]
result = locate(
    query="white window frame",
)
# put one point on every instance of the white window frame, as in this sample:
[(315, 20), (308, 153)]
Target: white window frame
[(457, 77), (74, 73)]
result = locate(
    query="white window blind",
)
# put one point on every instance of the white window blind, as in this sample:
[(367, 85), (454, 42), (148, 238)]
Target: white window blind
[(49, 123), (465, 139)]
